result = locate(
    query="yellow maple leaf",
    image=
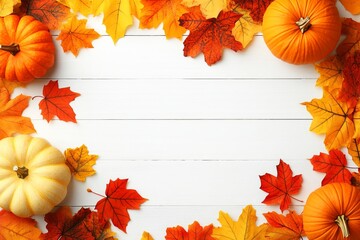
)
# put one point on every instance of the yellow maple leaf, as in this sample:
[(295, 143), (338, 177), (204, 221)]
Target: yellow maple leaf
[(82, 6), (244, 228), (74, 35), (330, 71), (146, 236), (80, 162), (209, 8), (7, 7), (354, 151), (167, 12), (97, 7), (245, 28), (332, 118)]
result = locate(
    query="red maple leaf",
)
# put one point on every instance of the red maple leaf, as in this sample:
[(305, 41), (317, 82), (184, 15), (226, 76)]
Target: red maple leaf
[(257, 8), (209, 36), (281, 188), (56, 102), (334, 165), (350, 90), (117, 201), (195, 232), (84, 225)]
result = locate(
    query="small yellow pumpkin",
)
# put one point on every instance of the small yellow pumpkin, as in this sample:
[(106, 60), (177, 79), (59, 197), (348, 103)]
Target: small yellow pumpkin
[(33, 175)]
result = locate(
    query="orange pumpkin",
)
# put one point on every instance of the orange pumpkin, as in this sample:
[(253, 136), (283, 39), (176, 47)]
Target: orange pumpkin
[(27, 48), (301, 31), (333, 212)]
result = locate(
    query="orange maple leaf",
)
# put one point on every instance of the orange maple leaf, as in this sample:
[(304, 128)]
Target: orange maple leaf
[(168, 12), (281, 188), (116, 203), (333, 118), (209, 36), (56, 102), (74, 35), (330, 70), (354, 151), (350, 90), (351, 43), (11, 119), (80, 162), (85, 224), (195, 232), (10, 85), (49, 12), (334, 165), (289, 227), (13, 227)]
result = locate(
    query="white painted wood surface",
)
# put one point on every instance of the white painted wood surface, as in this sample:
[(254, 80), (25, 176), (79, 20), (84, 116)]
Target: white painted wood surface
[(192, 139)]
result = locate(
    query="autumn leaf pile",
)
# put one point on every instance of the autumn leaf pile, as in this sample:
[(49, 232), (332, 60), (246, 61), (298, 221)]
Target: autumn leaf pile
[(207, 27)]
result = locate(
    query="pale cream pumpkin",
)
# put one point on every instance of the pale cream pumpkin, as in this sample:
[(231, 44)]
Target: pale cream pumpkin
[(33, 175)]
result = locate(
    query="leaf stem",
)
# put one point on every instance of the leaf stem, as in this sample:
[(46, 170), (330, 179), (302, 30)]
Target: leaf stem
[(91, 191), (37, 97)]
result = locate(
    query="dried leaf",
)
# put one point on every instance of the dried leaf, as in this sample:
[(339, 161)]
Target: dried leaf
[(332, 117), (116, 203), (209, 36), (350, 90), (166, 12), (209, 8), (245, 28), (50, 12), (56, 102), (13, 227), (351, 43), (244, 228), (146, 236), (256, 8), (330, 71), (11, 119), (195, 232), (289, 227), (74, 35), (80, 162), (281, 188), (334, 165)]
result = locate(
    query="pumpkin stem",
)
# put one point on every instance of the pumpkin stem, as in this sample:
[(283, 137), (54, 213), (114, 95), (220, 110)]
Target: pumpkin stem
[(13, 48), (342, 222), (22, 172), (304, 24)]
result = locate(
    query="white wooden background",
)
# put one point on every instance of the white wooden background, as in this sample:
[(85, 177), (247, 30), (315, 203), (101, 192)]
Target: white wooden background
[(192, 139)]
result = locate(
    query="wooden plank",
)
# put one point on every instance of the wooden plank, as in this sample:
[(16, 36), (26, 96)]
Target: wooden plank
[(192, 139), (184, 99)]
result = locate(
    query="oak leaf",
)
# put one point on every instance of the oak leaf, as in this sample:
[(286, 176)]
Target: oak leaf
[(80, 162), (244, 228), (257, 8), (117, 17), (209, 8), (351, 43), (281, 188), (74, 35), (332, 118), (116, 203), (56, 102), (245, 28), (11, 119), (334, 165), (49, 12), (195, 232), (350, 90), (13, 227), (166, 12), (146, 236), (84, 225), (354, 151), (289, 227), (209, 36), (330, 70)]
